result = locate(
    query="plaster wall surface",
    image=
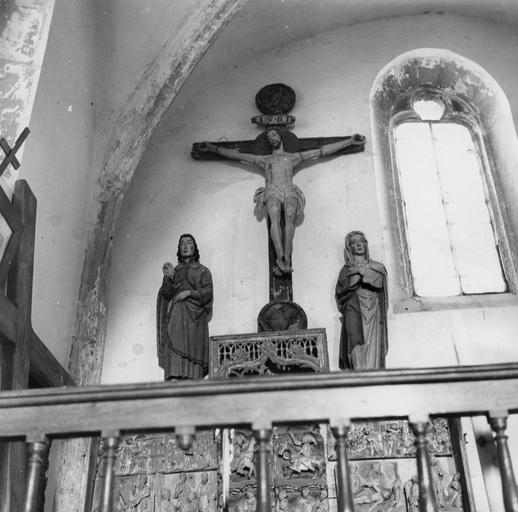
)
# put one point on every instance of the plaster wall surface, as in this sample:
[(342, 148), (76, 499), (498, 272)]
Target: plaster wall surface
[(57, 165), (129, 35), (332, 74)]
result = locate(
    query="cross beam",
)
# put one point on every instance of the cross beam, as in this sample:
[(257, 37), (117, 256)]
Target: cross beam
[(10, 153)]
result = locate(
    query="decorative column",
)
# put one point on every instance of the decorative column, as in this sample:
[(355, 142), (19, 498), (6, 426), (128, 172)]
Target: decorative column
[(427, 501), (340, 430), (110, 444), (37, 463), (264, 500)]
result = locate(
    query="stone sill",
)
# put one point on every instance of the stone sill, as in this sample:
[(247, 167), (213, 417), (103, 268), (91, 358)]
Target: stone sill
[(488, 300)]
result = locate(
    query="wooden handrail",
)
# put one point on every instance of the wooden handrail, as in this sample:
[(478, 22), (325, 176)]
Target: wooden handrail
[(259, 402), (277, 399)]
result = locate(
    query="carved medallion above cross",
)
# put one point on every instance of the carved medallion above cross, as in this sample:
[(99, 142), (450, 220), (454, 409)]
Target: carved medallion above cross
[(278, 153)]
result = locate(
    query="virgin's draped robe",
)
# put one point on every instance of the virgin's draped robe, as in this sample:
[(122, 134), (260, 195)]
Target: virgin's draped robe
[(363, 304), (185, 352)]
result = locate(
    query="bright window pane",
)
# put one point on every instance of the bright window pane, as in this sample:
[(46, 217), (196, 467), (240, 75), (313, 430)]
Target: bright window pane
[(429, 109), (475, 253), (427, 234), (451, 240)]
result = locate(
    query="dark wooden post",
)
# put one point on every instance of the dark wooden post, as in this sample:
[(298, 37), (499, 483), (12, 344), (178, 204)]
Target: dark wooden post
[(37, 463), (340, 430), (427, 501), (16, 332), (498, 422), (110, 441), (264, 500)]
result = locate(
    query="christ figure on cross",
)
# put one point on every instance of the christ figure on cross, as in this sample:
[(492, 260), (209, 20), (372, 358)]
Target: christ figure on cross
[(280, 196)]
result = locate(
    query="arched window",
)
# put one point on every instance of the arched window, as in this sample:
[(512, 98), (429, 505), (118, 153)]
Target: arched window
[(448, 218), (440, 160)]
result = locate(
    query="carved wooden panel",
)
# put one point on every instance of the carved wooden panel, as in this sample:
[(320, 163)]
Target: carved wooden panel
[(159, 453), (392, 485), (268, 353), (189, 492), (298, 465), (386, 439), (152, 474), (383, 467)]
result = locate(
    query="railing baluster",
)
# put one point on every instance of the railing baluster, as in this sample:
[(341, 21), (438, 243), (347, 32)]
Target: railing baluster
[(37, 463), (340, 429), (185, 437), (262, 466), (110, 441), (427, 501), (498, 422)]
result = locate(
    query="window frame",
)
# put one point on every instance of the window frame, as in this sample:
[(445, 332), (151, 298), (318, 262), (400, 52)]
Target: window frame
[(457, 111)]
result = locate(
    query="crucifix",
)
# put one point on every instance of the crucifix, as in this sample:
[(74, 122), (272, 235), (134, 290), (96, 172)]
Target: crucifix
[(278, 152)]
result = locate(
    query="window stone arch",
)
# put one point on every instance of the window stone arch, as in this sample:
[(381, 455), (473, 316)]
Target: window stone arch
[(479, 98)]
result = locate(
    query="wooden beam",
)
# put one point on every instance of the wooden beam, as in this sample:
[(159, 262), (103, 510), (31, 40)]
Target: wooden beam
[(358, 395), (44, 368), (7, 320)]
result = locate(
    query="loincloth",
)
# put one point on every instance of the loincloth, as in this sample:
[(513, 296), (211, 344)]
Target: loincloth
[(262, 194)]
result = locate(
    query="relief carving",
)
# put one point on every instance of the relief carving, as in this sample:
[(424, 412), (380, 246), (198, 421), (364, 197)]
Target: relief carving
[(378, 486), (246, 502), (299, 455), (134, 495), (175, 492), (382, 439), (152, 474), (150, 453), (242, 462)]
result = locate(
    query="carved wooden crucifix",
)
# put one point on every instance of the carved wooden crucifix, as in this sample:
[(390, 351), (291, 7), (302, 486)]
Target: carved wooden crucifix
[(278, 152)]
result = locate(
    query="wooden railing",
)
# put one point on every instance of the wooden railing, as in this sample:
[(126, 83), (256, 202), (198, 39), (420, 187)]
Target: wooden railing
[(337, 398)]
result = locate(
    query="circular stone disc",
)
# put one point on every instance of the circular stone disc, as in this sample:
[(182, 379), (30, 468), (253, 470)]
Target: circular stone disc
[(282, 315), (275, 99)]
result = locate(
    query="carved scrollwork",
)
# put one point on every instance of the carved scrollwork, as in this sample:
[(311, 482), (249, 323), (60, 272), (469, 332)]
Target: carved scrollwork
[(267, 353)]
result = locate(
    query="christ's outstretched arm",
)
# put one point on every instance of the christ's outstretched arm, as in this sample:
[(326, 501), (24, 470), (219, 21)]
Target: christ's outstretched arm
[(329, 149), (233, 154)]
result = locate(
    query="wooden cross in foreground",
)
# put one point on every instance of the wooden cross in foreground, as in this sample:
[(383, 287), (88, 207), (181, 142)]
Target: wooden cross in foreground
[(10, 153), (24, 359)]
